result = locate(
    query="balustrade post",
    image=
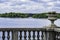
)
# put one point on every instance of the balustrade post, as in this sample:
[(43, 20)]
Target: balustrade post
[(45, 35), (29, 35), (8, 35), (20, 35), (52, 36), (3, 35), (42, 36), (38, 35), (33, 35), (14, 35), (25, 35)]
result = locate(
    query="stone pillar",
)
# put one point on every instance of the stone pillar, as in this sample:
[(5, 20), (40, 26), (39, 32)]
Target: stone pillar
[(14, 35), (52, 36), (52, 16)]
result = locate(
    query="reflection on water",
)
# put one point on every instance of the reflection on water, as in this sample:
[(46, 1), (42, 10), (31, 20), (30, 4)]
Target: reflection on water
[(24, 22)]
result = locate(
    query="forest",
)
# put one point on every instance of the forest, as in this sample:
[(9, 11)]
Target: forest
[(25, 15)]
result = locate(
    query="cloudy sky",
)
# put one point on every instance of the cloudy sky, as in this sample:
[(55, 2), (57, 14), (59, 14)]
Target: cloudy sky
[(29, 6)]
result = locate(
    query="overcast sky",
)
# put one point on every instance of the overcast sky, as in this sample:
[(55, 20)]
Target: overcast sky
[(29, 6)]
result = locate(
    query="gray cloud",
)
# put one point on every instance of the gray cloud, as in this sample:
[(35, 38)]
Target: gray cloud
[(29, 5)]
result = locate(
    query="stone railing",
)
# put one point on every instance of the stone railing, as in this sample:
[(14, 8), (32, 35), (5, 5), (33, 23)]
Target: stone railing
[(28, 34)]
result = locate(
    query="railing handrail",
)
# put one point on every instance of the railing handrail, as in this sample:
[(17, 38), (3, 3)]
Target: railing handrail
[(22, 29)]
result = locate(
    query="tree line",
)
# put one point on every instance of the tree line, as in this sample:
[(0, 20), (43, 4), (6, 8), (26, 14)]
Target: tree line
[(25, 15)]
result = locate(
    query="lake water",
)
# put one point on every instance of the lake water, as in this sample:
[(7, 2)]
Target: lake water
[(25, 22)]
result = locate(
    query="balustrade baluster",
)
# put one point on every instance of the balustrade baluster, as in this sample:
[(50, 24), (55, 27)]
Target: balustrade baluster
[(57, 35), (25, 35), (20, 35), (33, 35), (8, 35), (3, 35), (42, 35), (38, 35), (29, 35)]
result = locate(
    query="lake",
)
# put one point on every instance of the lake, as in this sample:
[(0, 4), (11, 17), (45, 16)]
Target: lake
[(25, 22)]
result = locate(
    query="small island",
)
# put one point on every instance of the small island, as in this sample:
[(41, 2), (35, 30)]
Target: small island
[(26, 15)]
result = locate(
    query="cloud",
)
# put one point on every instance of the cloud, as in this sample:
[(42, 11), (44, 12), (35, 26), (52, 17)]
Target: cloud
[(29, 6), (46, 0)]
